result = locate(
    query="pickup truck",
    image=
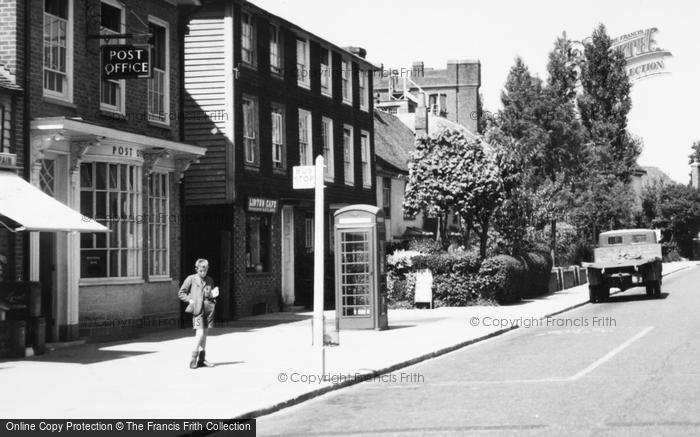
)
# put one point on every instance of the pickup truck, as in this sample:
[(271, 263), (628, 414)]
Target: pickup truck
[(624, 259)]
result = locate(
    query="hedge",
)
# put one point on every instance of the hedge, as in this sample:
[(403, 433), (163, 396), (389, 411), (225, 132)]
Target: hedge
[(463, 279), (502, 278), (538, 266)]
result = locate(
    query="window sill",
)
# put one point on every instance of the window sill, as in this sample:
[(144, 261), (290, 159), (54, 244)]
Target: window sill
[(112, 115), (159, 124), (329, 95), (277, 75), (364, 108), (160, 279), (251, 167), (347, 102), (304, 85), (60, 102), (279, 171), (248, 65), (110, 281)]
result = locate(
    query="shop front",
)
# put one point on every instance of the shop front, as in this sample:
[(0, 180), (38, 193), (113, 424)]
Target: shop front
[(112, 284)]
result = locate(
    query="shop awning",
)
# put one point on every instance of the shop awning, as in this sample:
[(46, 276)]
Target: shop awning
[(35, 210)]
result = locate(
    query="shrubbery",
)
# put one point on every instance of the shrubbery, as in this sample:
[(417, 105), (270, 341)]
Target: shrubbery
[(502, 278), (461, 279)]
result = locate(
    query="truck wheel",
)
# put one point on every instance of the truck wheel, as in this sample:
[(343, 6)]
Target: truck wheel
[(654, 289), (593, 293)]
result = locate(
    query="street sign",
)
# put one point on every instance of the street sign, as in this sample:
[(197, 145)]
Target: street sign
[(126, 61), (303, 176)]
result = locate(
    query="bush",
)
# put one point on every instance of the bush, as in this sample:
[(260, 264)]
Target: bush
[(538, 266), (501, 278), (463, 263)]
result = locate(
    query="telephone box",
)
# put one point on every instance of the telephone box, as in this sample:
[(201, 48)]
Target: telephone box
[(360, 268)]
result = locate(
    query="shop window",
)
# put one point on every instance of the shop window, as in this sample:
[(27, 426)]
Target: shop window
[(111, 194), (158, 225), (58, 49), (159, 84), (112, 92), (258, 238)]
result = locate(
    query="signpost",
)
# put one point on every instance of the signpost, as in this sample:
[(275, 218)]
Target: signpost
[(304, 177)]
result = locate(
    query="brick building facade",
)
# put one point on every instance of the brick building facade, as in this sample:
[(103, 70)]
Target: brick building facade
[(452, 92), (108, 148), (286, 96)]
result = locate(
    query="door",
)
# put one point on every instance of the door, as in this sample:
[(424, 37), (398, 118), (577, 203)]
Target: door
[(288, 255)]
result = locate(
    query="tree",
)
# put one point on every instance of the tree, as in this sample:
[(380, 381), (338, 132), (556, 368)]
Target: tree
[(675, 209), (450, 173), (604, 104), (695, 155)]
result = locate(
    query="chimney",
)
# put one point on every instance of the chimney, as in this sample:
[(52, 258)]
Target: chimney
[(695, 175), (357, 51), (418, 69), (421, 119)]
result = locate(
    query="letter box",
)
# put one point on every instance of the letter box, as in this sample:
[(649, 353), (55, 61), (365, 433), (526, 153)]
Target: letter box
[(360, 268)]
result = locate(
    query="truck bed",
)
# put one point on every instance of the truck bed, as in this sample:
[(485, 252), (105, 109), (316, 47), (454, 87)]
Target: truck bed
[(625, 255)]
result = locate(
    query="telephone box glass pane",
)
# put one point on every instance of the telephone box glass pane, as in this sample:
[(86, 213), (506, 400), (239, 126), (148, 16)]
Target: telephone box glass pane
[(355, 281)]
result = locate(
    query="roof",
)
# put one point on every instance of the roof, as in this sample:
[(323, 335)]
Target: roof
[(625, 232), (393, 140), (305, 33)]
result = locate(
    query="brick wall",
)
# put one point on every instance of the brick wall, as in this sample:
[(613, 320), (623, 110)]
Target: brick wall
[(86, 74), (11, 21), (251, 289)]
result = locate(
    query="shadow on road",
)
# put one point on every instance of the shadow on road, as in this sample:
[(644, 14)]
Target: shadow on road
[(634, 297)]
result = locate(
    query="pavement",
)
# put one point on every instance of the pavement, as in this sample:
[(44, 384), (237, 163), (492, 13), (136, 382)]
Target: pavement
[(263, 363)]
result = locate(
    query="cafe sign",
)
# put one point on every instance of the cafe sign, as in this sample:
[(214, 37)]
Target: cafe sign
[(642, 55), (126, 61), (257, 204)]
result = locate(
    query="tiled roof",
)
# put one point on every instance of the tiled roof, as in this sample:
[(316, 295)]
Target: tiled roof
[(393, 140)]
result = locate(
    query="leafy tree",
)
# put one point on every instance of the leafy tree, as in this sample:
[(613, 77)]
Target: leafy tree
[(604, 104), (695, 155), (605, 204), (675, 209), (451, 173)]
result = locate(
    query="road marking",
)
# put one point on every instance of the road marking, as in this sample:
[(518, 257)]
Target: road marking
[(610, 354)]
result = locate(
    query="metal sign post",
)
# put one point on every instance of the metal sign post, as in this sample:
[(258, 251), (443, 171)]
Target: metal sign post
[(319, 322), (312, 177)]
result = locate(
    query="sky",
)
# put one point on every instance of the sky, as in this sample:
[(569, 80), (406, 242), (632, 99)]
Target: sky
[(495, 32)]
